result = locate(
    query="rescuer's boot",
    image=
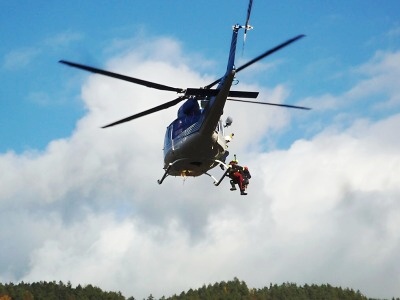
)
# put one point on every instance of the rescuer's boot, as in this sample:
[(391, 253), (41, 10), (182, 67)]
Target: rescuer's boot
[(242, 192), (233, 188)]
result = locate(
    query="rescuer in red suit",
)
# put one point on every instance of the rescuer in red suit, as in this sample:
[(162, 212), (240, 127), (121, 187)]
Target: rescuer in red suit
[(239, 175)]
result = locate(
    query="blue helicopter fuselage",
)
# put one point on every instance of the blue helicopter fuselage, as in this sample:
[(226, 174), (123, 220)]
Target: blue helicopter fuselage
[(195, 141)]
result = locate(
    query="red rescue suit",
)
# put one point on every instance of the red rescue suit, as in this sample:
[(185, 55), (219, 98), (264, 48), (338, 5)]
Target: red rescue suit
[(239, 176)]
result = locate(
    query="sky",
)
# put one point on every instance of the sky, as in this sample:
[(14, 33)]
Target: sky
[(82, 204)]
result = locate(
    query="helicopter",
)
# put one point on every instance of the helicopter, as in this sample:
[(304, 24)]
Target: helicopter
[(195, 142)]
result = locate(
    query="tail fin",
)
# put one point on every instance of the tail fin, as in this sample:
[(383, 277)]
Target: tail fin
[(231, 60)]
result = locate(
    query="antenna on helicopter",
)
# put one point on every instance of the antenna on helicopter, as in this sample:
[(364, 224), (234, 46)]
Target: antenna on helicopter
[(247, 26)]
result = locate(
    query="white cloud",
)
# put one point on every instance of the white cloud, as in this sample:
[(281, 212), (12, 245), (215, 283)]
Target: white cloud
[(377, 87), (394, 32), (20, 58), (63, 39), (382, 78), (88, 208)]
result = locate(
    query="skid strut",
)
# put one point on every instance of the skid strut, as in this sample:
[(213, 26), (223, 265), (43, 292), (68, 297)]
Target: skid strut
[(165, 174), (222, 178), (167, 170), (227, 167)]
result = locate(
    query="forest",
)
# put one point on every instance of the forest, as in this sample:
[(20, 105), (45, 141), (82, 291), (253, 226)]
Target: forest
[(231, 290)]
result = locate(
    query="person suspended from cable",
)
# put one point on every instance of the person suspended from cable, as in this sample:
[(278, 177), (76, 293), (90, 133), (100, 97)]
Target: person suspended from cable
[(239, 175)]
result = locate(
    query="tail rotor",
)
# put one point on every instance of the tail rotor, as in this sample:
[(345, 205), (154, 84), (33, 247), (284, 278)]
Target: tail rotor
[(247, 26)]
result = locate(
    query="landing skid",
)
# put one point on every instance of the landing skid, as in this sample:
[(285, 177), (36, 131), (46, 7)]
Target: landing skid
[(216, 182)]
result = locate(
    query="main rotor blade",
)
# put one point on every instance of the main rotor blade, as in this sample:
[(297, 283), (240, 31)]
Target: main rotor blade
[(269, 52), (123, 77), (266, 53), (268, 103), (147, 112)]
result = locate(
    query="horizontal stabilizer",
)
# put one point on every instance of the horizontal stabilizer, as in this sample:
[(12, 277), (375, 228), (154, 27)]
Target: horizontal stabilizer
[(242, 94), (214, 92)]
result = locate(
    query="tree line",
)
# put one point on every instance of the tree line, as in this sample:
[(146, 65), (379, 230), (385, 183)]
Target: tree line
[(238, 290), (231, 290), (54, 291)]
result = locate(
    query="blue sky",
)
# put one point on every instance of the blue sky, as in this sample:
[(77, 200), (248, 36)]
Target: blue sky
[(325, 187), (340, 36)]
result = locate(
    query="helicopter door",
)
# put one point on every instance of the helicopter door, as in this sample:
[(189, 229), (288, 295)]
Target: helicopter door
[(171, 132), (168, 141)]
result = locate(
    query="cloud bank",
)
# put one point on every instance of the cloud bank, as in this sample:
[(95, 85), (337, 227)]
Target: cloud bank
[(88, 208)]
